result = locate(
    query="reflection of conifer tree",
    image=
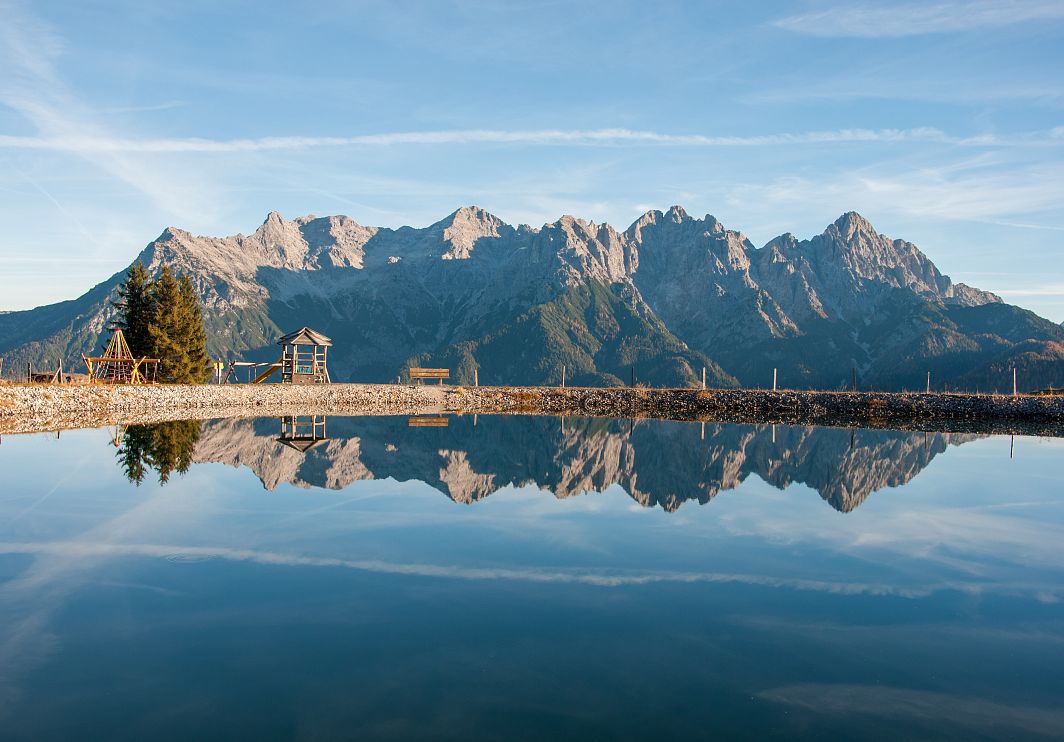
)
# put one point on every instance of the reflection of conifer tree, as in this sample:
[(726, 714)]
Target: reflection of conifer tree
[(172, 447), (165, 447), (135, 452)]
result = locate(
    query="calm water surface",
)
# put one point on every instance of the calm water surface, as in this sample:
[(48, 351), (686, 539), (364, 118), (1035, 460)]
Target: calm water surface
[(529, 578)]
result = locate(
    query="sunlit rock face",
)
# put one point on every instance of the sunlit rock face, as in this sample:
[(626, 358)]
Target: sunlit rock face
[(663, 299), (659, 464)]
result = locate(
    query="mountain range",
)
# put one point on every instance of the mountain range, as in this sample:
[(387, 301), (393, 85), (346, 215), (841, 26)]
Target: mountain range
[(658, 302), (658, 463)]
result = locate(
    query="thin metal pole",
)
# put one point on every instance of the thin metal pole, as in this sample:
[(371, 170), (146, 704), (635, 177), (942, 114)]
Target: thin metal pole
[(773, 379), (476, 377), (1013, 381), (563, 377), (928, 382), (703, 378)]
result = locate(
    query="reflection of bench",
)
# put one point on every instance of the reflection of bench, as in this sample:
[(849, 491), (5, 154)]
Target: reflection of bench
[(427, 421), (429, 373)]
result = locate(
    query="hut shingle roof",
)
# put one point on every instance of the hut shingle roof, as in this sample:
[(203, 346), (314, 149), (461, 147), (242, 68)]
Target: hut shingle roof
[(304, 336)]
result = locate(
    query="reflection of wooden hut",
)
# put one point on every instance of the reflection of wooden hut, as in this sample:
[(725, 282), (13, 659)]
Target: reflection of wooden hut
[(303, 357), (118, 366), (302, 432)]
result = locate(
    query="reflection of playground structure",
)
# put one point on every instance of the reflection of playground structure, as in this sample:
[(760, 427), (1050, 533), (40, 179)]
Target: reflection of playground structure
[(302, 432)]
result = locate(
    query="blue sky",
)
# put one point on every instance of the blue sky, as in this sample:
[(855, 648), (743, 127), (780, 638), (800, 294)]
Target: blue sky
[(940, 121)]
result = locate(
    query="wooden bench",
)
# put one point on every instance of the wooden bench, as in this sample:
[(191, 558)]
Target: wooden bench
[(429, 373)]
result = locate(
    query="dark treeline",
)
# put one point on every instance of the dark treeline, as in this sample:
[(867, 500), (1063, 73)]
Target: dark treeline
[(162, 318), (165, 447)]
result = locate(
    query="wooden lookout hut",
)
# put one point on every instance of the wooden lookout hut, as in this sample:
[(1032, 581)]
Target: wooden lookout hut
[(303, 357)]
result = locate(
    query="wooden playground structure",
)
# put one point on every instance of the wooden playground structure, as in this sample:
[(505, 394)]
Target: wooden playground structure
[(118, 366), (304, 360)]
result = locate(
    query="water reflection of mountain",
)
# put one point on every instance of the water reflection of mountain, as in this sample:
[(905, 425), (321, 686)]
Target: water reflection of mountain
[(657, 463)]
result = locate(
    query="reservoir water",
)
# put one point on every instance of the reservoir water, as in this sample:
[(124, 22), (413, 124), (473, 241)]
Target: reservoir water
[(526, 578)]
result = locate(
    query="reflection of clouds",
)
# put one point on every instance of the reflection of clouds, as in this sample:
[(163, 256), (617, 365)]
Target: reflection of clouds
[(88, 550), (978, 540), (932, 709), (28, 602)]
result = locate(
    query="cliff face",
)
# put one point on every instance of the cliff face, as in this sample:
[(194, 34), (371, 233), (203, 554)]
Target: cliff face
[(666, 297), (659, 464)]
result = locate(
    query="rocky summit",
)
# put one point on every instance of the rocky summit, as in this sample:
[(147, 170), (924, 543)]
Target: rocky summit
[(662, 300)]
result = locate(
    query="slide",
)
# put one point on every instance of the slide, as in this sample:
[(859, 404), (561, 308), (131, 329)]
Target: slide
[(267, 373)]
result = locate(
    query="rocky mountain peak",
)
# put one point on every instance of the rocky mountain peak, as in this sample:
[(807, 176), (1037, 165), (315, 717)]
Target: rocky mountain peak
[(851, 224), (677, 214), (463, 228)]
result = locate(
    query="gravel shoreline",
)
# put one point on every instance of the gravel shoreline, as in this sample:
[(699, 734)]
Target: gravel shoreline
[(35, 408)]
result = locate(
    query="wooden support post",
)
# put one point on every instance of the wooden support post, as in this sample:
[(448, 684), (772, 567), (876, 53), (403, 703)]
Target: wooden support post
[(1012, 446), (703, 430), (928, 382), (476, 377), (60, 370), (1013, 381), (703, 378), (773, 379), (29, 372), (563, 377)]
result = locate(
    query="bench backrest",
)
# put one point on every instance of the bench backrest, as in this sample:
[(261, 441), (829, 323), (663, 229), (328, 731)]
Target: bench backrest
[(429, 373)]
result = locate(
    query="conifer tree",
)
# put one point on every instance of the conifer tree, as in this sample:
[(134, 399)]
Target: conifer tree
[(176, 331), (194, 336), (167, 328), (136, 310)]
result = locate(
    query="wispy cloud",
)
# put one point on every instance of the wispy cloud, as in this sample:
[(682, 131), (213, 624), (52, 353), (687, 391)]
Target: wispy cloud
[(877, 20), (32, 88), (576, 137), (982, 194), (1052, 289)]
